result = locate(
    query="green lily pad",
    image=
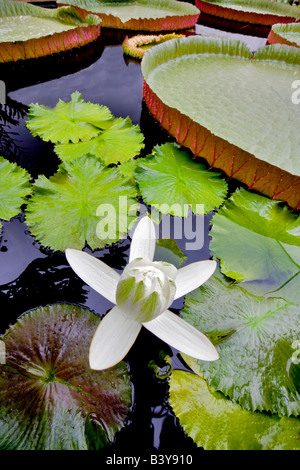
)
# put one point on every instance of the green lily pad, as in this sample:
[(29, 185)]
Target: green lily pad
[(74, 121), (128, 169), (14, 188), (216, 423), (84, 202), (172, 182), (258, 242), (142, 15), (119, 142), (49, 397), (220, 101), (285, 34), (28, 31), (254, 337)]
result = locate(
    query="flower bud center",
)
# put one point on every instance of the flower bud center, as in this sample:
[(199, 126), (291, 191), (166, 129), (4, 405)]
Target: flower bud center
[(145, 289)]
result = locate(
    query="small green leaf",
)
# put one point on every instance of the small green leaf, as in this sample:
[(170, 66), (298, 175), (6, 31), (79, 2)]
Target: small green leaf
[(49, 397), (216, 423), (254, 337), (128, 169), (120, 142), (171, 181), (84, 202), (258, 242), (73, 121), (14, 188)]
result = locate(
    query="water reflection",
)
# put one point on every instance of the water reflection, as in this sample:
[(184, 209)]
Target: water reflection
[(24, 73)]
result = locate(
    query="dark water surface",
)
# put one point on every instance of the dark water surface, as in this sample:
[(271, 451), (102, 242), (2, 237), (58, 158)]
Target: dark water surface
[(32, 276)]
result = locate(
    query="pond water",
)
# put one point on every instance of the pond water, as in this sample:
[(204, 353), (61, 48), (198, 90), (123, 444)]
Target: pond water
[(32, 276)]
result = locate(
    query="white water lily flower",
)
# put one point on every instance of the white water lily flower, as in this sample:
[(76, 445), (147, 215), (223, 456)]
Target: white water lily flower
[(142, 294)]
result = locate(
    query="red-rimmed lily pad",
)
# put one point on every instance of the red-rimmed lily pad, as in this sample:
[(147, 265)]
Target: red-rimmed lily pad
[(140, 15), (261, 12), (28, 31), (237, 113), (50, 399), (285, 34)]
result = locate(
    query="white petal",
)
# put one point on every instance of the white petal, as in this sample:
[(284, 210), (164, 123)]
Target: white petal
[(143, 240), (192, 276), (112, 340), (94, 272), (182, 336)]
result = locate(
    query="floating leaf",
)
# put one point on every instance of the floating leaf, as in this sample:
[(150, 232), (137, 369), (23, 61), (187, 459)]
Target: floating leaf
[(128, 169), (29, 31), (83, 202), (74, 121), (136, 46), (141, 15), (120, 142), (216, 423), (171, 181), (231, 107), (254, 337), (49, 397), (14, 188), (258, 242), (285, 34)]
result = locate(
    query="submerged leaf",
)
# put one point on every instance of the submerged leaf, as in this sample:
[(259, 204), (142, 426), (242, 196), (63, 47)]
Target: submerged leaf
[(83, 202), (216, 423), (254, 337), (14, 187), (49, 397), (171, 181), (168, 251), (258, 242), (119, 142), (73, 121), (136, 46)]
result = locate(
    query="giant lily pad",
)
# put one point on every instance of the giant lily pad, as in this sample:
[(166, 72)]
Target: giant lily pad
[(49, 397), (285, 34), (262, 12), (258, 243), (171, 181), (237, 112), (84, 202), (28, 31), (254, 337), (143, 15), (14, 188), (216, 423)]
